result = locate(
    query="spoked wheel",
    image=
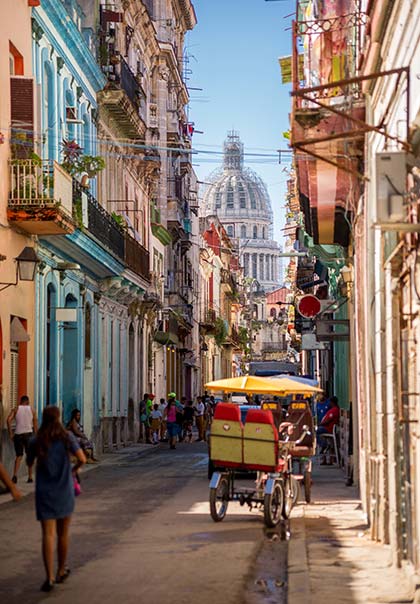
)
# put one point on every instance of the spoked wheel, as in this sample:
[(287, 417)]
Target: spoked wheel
[(295, 489), (307, 485), (273, 506), (289, 494), (219, 500)]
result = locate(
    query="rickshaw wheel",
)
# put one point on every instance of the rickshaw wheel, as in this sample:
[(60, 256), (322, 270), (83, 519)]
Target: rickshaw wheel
[(289, 495), (295, 489), (219, 500), (307, 485), (273, 506)]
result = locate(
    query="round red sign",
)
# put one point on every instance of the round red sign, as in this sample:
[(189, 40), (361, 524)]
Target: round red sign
[(309, 306)]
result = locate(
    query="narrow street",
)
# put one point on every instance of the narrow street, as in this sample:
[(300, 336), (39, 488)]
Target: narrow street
[(142, 532)]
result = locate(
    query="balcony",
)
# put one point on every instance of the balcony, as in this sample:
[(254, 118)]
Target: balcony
[(175, 220), (137, 257), (158, 230), (123, 98), (208, 320), (40, 199), (99, 223)]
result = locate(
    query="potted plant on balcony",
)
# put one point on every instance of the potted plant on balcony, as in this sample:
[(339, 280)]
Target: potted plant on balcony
[(77, 164)]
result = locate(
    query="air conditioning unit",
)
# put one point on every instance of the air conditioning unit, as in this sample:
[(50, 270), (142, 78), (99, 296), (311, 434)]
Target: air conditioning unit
[(391, 175)]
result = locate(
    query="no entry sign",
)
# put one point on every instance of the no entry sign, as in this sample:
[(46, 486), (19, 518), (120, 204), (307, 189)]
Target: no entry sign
[(309, 306)]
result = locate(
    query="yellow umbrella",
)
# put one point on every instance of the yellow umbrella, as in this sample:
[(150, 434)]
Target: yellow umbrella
[(252, 384)]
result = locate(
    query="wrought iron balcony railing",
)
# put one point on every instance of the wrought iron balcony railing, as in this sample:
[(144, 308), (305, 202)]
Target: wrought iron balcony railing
[(137, 257)]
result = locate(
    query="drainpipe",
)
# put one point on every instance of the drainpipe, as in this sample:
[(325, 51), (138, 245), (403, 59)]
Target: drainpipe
[(391, 334)]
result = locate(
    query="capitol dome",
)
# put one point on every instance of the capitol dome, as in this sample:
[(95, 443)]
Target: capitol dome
[(239, 198)]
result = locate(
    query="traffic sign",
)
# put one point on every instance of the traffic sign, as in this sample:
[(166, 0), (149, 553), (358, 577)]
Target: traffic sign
[(309, 306)]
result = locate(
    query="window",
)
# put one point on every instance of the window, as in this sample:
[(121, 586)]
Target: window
[(261, 267), (254, 265), (243, 231), (253, 200), (242, 197), (273, 313), (255, 232), (263, 232), (229, 198), (230, 230), (246, 265), (15, 61)]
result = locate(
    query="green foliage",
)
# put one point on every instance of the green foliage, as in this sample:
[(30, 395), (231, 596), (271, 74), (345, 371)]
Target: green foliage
[(220, 331)]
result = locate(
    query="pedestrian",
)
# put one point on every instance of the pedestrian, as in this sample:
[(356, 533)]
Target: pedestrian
[(156, 420), (162, 407), (143, 418), (199, 419), (76, 428), (170, 415), (180, 418), (189, 413), (26, 423), (330, 419), (10, 485), (149, 409), (55, 491)]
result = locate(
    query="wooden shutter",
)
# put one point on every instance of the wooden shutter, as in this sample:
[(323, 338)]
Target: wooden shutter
[(14, 377), (22, 115)]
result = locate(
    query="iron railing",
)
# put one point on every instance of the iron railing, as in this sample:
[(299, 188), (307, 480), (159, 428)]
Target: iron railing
[(100, 223), (137, 257), (39, 183)]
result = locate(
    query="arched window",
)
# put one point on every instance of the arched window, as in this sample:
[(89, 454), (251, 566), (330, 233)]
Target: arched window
[(255, 232), (230, 230), (273, 313), (88, 331), (229, 198), (243, 231)]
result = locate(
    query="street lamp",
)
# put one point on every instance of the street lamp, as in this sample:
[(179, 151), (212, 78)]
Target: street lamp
[(26, 264)]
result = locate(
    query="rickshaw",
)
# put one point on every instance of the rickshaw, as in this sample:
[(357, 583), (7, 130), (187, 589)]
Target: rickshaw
[(255, 446), (252, 446)]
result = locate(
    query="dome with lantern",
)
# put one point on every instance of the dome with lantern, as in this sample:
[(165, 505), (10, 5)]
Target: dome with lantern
[(239, 198)]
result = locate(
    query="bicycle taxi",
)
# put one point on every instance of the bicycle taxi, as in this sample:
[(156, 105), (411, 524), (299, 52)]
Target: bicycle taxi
[(264, 444)]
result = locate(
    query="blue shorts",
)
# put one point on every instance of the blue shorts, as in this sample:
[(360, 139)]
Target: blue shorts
[(172, 428)]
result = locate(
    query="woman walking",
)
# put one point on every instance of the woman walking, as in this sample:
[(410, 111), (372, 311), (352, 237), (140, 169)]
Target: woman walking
[(54, 492), (173, 407)]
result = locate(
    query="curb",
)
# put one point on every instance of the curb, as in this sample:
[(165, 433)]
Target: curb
[(298, 576)]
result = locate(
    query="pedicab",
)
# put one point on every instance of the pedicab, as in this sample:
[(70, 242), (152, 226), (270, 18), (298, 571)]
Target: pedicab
[(253, 446)]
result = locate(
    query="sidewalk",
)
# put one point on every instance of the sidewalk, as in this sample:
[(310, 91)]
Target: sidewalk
[(105, 459), (331, 558)]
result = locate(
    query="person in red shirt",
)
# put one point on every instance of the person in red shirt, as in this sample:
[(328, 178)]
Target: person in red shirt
[(330, 419)]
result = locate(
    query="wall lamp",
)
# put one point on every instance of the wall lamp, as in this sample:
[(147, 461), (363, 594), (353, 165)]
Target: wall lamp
[(26, 264)]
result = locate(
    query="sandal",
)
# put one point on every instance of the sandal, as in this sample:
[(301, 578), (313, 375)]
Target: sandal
[(63, 577), (47, 585)]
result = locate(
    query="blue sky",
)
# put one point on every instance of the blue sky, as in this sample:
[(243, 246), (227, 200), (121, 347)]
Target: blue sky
[(234, 54)]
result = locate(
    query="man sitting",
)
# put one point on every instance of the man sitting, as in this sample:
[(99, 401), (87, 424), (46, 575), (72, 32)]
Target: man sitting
[(330, 419)]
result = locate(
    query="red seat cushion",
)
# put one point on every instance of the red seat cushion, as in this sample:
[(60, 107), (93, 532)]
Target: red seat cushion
[(260, 416), (227, 411)]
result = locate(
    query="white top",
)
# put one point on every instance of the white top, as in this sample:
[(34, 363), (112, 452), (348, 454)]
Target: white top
[(156, 414), (200, 409), (24, 419)]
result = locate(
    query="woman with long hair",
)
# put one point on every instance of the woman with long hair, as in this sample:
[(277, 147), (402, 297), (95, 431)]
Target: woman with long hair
[(54, 492), (172, 408)]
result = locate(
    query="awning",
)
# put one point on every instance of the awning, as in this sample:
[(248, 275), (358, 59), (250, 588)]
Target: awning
[(18, 332)]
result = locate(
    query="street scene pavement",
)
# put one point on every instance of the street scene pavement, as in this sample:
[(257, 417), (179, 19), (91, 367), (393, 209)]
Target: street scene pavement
[(142, 532)]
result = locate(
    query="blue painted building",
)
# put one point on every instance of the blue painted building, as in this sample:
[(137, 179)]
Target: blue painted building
[(92, 273)]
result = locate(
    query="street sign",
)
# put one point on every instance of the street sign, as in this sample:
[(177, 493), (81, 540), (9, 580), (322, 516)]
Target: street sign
[(334, 330), (309, 306), (309, 342)]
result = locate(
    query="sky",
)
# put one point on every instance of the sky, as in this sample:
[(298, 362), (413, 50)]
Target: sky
[(233, 56)]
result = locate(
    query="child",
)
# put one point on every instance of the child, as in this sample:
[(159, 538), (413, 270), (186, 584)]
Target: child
[(156, 419)]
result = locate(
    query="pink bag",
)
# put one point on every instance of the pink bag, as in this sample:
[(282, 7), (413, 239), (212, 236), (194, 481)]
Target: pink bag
[(76, 486)]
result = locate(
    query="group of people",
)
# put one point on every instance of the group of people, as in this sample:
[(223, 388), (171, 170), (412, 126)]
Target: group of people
[(59, 454), (172, 420)]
